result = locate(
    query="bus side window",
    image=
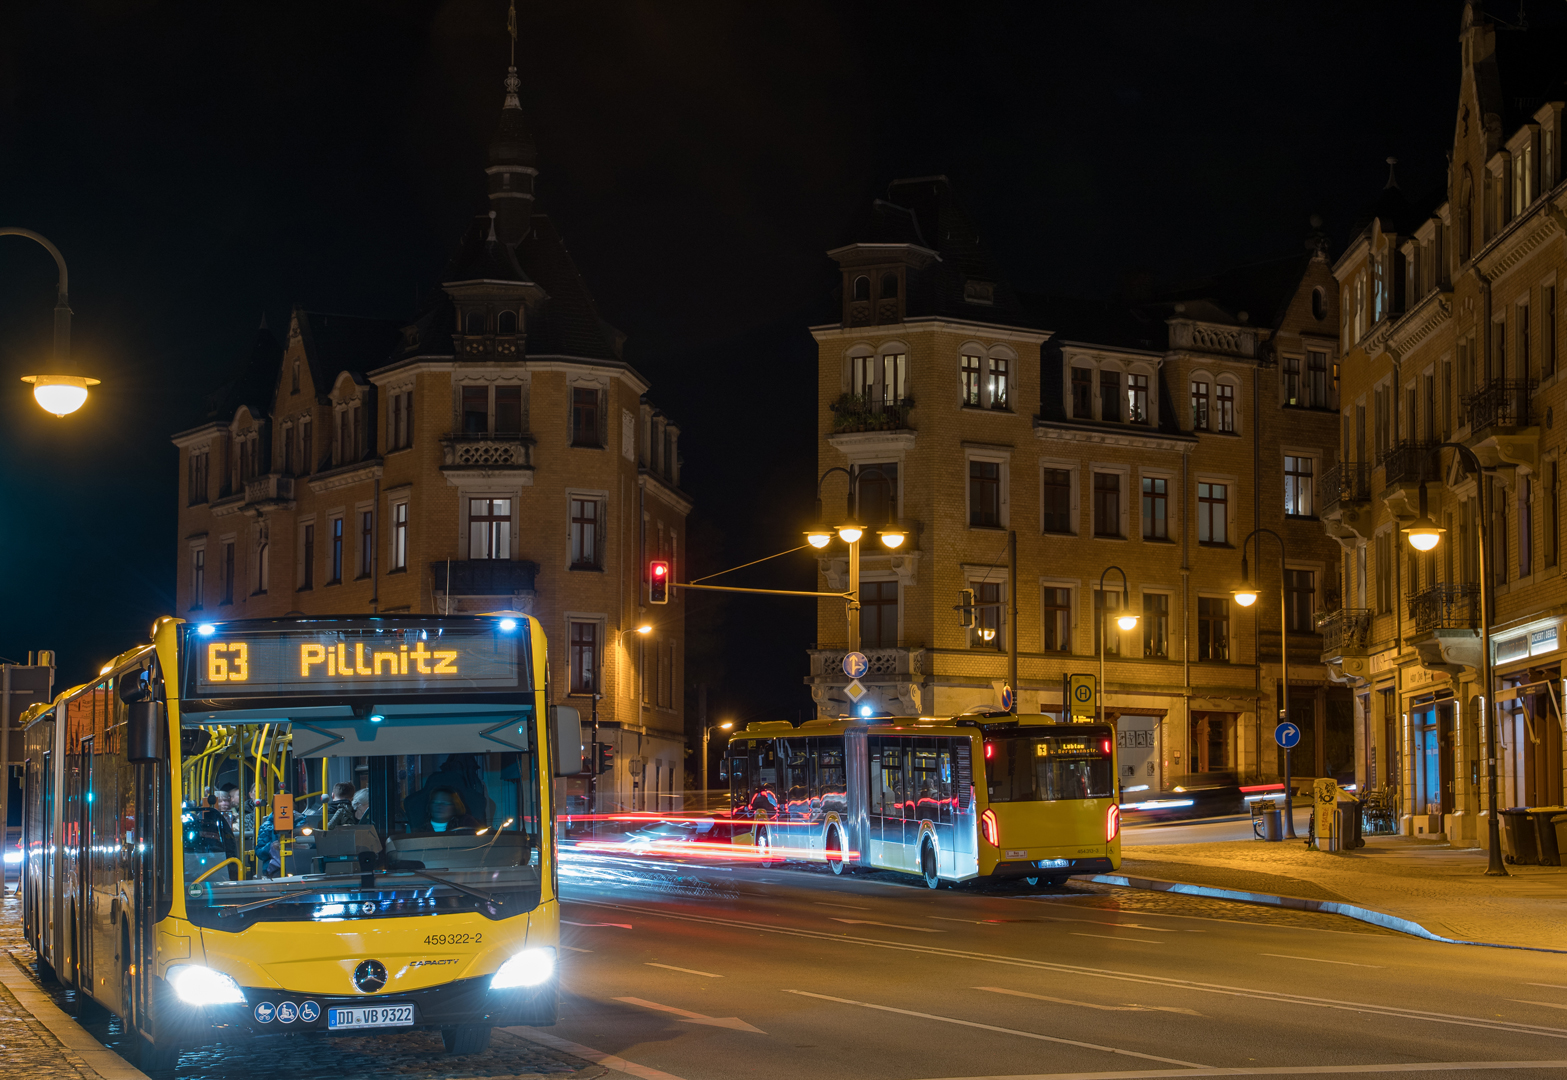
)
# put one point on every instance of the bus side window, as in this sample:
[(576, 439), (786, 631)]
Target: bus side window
[(873, 752), (893, 783), (797, 762), (813, 788), (739, 776), (831, 778), (944, 778)]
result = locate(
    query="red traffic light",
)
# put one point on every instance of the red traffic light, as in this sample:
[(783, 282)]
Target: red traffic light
[(658, 582)]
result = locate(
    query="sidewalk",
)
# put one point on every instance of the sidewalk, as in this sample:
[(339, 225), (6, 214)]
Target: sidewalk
[(1439, 888)]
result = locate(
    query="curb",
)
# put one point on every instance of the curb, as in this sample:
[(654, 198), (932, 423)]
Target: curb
[(1300, 903), (73, 1037)]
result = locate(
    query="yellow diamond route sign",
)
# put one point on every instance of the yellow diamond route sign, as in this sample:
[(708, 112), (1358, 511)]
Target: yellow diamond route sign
[(856, 690)]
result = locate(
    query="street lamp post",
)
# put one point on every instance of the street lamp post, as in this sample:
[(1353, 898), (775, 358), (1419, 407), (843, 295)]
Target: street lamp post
[(61, 393), (706, 733), (851, 532), (1126, 621), (1424, 535), (1246, 596)]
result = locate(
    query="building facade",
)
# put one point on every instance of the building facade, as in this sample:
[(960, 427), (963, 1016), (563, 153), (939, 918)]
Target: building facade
[(1152, 438), (495, 453), (1449, 328)]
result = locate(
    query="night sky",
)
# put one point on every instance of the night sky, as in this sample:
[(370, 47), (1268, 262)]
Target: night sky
[(201, 165)]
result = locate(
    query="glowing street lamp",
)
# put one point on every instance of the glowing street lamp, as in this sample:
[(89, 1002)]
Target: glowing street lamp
[(61, 392), (1127, 620), (851, 532), (706, 732)]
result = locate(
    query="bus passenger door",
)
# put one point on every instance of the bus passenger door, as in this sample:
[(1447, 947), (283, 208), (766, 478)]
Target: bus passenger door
[(82, 923)]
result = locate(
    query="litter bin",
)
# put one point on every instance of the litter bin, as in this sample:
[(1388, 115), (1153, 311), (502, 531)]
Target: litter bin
[(1348, 813), (1520, 839), (1559, 829), (1273, 822), (1545, 834)]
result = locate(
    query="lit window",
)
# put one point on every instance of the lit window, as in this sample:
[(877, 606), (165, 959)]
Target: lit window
[(489, 528), (400, 536), (1213, 506), (1224, 408), (1199, 405), (998, 382), (971, 380), (1298, 486), (1137, 399)]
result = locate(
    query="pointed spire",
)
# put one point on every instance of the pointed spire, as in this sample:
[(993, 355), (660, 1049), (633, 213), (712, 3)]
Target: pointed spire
[(264, 325), (1392, 173), (513, 160)]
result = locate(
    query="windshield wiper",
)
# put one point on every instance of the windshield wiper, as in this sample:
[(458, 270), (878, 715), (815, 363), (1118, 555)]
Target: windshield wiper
[(487, 897), (259, 904)]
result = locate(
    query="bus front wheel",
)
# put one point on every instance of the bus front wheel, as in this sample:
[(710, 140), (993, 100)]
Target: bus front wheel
[(834, 850), (465, 1038), (928, 866)]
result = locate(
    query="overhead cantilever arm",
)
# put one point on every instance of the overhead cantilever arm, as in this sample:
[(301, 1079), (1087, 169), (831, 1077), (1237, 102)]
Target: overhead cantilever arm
[(62, 305)]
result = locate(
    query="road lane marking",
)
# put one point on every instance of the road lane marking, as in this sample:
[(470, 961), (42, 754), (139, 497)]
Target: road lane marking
[(1047, 918), (573, 948), (1281, 1070), (598, 1057), (1189, 985), (891, 925), (734, 1023), (1316, 960), (1128, 1007), (622, 925), (1548, 986), (845, 907), (1113, 937), (1002, 1030), (688, 971), (1547, 1004)]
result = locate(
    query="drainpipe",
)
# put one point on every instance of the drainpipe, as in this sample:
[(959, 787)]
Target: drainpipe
[(375, 551), (1186, 597)]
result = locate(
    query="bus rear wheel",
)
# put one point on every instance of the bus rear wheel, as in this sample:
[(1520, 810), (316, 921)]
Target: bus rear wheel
[(466, 1038), (928, 866), (834, 850)]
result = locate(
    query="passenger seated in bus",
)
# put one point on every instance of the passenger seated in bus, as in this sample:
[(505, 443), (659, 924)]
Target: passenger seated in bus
[(340, 807), (448, 813), (361, 804), (460, 773)]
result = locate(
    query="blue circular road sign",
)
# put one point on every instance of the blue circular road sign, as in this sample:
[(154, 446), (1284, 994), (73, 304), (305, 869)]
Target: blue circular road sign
[(1006, 697), (1286, 735), (855, 665)]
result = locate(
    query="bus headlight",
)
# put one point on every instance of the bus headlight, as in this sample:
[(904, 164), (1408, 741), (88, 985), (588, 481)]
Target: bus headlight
[(197, 985), (528, 968)]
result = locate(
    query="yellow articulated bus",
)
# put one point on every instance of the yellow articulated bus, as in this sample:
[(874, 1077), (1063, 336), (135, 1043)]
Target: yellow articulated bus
[(324, 825), (985, 796)]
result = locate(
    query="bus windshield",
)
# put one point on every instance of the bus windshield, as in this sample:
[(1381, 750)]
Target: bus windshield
[(1031, 767), (390, 815)]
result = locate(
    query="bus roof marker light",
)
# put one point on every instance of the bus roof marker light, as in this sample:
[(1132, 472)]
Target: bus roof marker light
[(206, 629), (866, 710), (377, 718), (508, 625)]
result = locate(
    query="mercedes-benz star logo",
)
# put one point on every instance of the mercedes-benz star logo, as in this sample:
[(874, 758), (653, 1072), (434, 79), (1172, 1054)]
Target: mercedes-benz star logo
[(370, 976)]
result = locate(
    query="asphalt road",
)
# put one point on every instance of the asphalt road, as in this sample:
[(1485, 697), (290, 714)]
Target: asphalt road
[(1203, 830), (705, 971)]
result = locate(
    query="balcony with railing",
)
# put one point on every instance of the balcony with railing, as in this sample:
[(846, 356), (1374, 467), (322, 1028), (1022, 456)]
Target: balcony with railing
[(486, 451), (1346, 631), (1402, 463), (1446, 620), (484, 577), (1346, 492), (893, 678), (867, 412), (274, 490), (1503, 427)]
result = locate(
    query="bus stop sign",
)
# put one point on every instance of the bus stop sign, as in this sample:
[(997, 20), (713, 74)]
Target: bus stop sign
[(1082, 695)]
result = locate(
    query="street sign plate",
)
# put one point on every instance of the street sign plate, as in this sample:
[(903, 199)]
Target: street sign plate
[(1286, 735), (856, 690), (1082, 696), (1006, 698), (855, 665)]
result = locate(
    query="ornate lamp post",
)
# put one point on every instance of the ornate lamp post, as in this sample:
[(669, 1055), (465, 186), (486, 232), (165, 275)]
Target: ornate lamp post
[(1246, 596), (851, 532), (1126, 621), (1424, 535), (63, 392)]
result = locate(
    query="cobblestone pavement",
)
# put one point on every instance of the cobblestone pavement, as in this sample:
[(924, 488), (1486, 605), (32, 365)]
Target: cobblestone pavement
[(28, 1049)]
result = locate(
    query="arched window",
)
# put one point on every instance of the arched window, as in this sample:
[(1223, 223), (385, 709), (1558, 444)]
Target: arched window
[(474, 322), (1466, 213), (862, 288), (1319, 304), (889, 286), (506, 323)]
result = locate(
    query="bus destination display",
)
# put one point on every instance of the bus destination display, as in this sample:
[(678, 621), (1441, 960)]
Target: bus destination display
[(351, 661)]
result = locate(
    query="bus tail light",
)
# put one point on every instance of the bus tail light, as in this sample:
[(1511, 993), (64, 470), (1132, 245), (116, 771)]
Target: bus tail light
[(1112, 822), (990, 750), (1107, 747), (987, 822)]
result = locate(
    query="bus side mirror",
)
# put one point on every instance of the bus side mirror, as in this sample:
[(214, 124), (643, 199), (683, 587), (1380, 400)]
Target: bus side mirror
[(567, 725), (146, 733)]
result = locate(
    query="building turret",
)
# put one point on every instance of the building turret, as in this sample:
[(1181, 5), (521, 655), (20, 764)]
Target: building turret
[(513, 163)]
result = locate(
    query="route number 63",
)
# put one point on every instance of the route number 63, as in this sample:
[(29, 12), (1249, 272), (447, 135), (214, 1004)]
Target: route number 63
[(228, 663)]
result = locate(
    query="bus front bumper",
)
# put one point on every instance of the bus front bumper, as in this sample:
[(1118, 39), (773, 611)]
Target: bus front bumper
[(281, 1012), (1052, 868)]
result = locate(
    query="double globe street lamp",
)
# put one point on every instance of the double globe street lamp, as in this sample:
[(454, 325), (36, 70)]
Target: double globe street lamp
[(63, 391), (852, 531)]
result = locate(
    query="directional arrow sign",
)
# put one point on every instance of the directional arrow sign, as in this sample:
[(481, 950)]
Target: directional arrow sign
[(1286, 735), (734, 1023)]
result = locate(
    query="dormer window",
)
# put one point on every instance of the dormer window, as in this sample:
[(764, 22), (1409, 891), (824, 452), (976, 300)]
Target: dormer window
[(979, 292), (294, 380), (1137, 399), (998, 382), (473, 322), (862, 288), (506, 323), (889, 286), (1319, 304)]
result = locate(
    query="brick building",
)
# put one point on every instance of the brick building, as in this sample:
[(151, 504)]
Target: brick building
[(495, 453), (1450, 332), (1152, 437)]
